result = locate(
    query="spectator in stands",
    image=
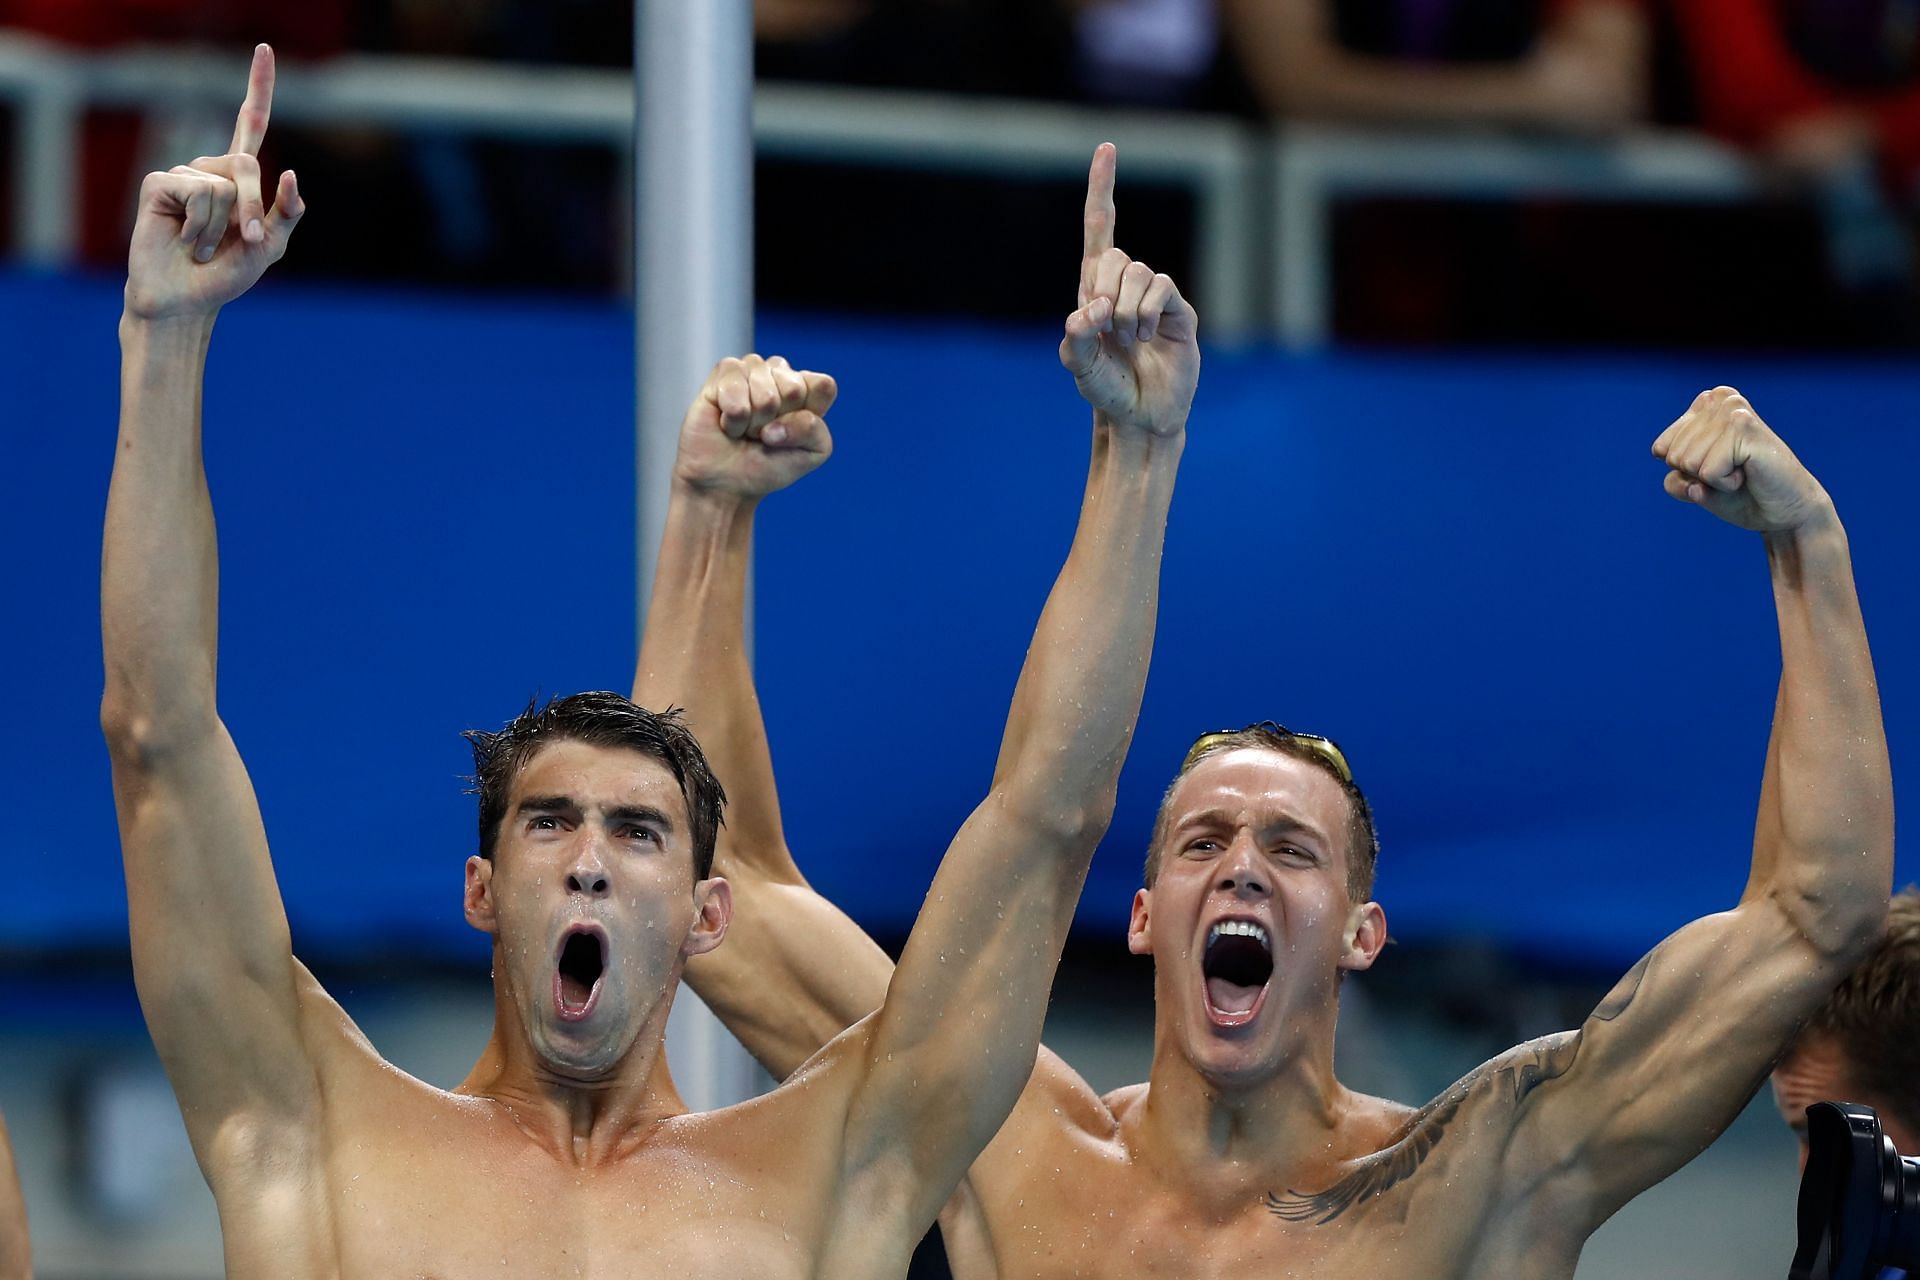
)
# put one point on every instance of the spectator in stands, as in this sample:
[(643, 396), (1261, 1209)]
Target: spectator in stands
[(1864, 1044), (1819, 84), (1572, 65), (16, 1261), (1830, 91)]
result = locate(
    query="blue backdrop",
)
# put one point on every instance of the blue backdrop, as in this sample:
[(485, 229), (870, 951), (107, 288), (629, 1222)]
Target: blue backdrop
[(1553, 680)]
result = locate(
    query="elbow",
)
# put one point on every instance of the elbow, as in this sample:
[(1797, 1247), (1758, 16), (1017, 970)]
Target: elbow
[(141, 736), (1842, 917), (1073, 824)]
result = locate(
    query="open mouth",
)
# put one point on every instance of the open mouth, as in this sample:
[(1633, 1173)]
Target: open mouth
[(1234, 968), (577, 971)]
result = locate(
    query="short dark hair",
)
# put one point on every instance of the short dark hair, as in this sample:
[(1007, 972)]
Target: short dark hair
[(1873, 1016), (1363, 842), (599, 719)]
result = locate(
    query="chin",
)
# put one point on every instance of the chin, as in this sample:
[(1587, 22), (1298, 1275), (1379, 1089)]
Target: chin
[(1232, 1068), (565, 1053)]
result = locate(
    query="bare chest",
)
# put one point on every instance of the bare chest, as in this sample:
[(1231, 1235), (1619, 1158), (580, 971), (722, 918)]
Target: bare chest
[(1115, 1221), (456, 1201)]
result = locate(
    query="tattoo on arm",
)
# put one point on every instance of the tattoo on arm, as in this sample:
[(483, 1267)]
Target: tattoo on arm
[(1624, 991)]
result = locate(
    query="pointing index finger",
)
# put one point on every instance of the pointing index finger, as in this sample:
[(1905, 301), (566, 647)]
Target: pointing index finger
[(251, 128), (1098, 225)]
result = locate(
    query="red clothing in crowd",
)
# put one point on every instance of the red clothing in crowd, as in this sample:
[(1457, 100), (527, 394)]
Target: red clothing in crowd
[(309, 29), (1749, 83)]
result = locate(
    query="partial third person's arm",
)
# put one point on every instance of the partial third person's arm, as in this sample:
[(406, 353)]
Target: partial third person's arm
[(16, 1253), (794, 970)]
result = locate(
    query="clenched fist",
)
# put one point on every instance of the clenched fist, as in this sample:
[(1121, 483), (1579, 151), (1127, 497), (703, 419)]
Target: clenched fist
[(203, 234), (1133, 344), (756, 426), (1723, 458)]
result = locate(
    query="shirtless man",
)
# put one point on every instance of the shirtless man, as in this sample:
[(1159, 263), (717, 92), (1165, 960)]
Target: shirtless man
[(567, 1150), (1243, 1156), (16, 1256)]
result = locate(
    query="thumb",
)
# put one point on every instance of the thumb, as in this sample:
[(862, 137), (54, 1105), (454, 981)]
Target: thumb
[(800, 431), (1080, 348), (288, 208)]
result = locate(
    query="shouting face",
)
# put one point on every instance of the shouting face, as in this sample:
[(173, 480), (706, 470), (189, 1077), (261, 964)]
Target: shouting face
[(591, 902), (1249, 920)]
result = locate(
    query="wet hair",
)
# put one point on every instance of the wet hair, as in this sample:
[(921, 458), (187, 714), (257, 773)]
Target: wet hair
[(599, 719), (1363, 842), (1873, 1016)]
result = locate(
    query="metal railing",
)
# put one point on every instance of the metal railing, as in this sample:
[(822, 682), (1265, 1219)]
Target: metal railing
[(1263, 198)]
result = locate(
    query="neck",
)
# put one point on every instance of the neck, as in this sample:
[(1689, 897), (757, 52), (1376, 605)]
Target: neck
[(1219, 1137), (584, 1121)]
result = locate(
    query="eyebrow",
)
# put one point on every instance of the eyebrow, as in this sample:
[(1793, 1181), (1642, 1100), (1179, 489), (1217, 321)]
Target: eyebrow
[(547, 804), (640, 813), (1221, 818), (633, 813)]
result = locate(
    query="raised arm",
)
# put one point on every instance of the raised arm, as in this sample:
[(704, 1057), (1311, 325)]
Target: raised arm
[(795, 971), (211, 954), (1673, 1054), (952, 1046), (16, 1254)]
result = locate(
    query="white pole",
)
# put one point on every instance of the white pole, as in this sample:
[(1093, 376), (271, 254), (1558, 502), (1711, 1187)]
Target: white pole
[(693, 301)]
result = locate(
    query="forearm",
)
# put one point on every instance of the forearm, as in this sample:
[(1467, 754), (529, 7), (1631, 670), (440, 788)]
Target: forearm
[(1828, 838), (1376, 91), (1079, 691), (159, 575), (693, 654)]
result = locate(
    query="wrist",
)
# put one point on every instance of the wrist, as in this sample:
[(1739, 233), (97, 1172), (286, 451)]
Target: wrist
[(1138, 446), (1816, 542), (166, 335), (710, 503)]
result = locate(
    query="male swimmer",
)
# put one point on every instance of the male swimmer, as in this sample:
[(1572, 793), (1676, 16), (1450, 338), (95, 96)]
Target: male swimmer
[(1243, 1155), (567, 1151), (16, 1254)]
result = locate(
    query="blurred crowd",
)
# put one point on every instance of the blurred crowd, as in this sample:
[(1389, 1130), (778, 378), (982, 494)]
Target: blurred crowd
[(1825, 92)]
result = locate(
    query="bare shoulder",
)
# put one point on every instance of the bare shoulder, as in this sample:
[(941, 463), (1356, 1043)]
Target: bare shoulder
[(1447, 1156)]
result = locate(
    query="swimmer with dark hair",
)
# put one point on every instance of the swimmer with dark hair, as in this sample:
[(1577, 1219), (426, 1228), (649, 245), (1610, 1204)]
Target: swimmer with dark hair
[(567, 1151), (1243, 1154)]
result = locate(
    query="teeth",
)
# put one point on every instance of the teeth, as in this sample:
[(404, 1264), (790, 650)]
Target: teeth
[(1237, 928)]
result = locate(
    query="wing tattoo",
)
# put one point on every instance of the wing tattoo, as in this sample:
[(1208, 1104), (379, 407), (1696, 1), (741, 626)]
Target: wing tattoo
[(1377, 1174)]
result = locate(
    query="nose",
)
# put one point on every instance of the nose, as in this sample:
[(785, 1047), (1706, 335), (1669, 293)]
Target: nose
[(1243, 871), (588, 874), (591, 882)]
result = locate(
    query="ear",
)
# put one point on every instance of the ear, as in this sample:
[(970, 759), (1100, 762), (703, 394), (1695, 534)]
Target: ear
[(1140, 924), (713, 906), (1366, 935), (479, 895)]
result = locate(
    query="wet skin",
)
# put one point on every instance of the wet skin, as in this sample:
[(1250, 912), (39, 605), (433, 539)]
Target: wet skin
[(567, 1151)]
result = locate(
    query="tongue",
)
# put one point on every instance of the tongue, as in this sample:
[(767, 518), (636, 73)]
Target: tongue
[(573, 992), (1231, 997)]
